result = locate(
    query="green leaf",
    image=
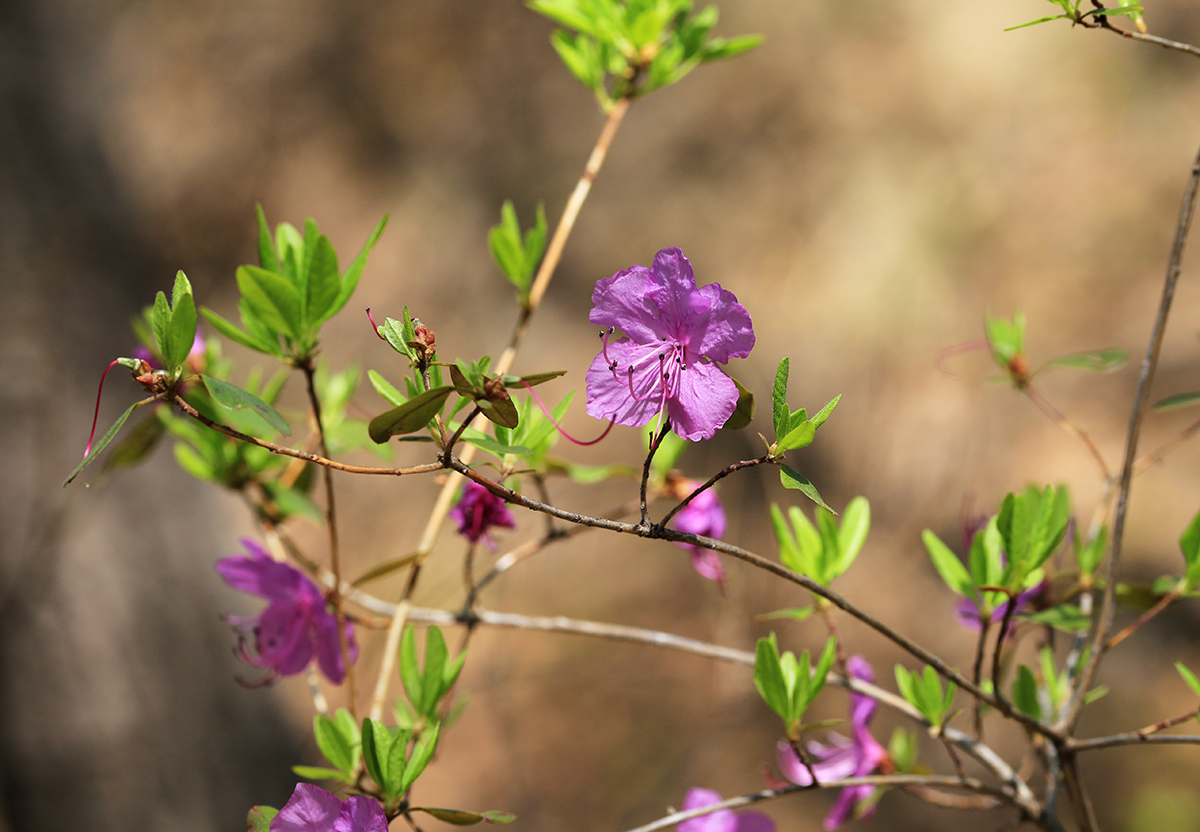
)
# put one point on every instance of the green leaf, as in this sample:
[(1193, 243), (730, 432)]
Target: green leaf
[(768, 676), (410, 672), (318, 773), (486, 443), (1189, 677), (384, 388), (1189, 544), (421, 755), (272, 299), (232, 397), (1066, 617), (259, 818), (1039, 20), (457, 817), (1025, 695), (743, 411), (182, 329), (532, 380), (323, 284), (332, 743), (719, 48), (502, 411), (376, 745), (409, 417), (431, 678), (779, 405), (791, 478), (856, 523), (823, 413), (794, 613), (355, 269), (236, 335), (266, 247), (160, 322), (1005, 338), (1096, 361), (947, 564), (798, 437), (104, 440), (383, 569), (1178, 401)]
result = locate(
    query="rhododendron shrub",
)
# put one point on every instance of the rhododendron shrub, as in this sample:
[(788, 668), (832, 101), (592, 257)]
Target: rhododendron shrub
[(1035, 582)]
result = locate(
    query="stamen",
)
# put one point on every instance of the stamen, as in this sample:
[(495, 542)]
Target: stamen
[(96, 416), (375, 328), (558, 427), (612, 363)]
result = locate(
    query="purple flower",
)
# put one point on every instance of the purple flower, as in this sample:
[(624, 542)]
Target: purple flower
[(703, 515), (972, 616), (855, 757), (722, 820), (296, 623), (312, 809), (674, 335), (478, 510)]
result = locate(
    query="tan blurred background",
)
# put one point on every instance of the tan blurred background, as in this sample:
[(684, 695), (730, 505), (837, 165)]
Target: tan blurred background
[(868, 182)]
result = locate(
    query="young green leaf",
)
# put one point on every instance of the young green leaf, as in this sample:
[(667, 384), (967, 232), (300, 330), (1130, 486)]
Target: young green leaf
[(1025, 693), (333, 744), (947, 564), (791, 478), (232, 397)]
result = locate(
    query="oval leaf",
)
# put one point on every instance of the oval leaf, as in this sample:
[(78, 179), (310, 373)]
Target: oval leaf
[(409, 417)]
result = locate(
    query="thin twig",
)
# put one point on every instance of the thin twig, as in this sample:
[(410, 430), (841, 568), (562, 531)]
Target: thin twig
[(720, 475), (541, 281), (315, 459), (657, 532), (1147, 735), (335, 561), (1059, 418), (1100, 633)]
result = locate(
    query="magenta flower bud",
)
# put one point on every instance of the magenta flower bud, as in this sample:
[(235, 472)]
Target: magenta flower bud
[(722, 820), (705, 516), (478, 511), (674, 336), (312, 809), (296, 624)]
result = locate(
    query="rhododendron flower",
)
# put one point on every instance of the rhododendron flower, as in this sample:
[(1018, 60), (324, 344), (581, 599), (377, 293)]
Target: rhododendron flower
[(295, 626), (855, 757), (674, 336), (722, 820), (478, 510), (312, 809), (705, 516)]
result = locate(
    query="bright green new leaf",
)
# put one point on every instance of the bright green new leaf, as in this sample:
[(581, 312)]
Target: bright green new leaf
[(104, 440), (791, 478), (1189, 677), (1066, 617), (321, 773), (232, 397), (1189, 544), (1025, 693), (422, 753), (947, 564), (779, 405), (333, 744), (182, 328)]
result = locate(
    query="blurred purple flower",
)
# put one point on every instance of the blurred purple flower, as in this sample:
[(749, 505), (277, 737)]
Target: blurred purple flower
[(674, 336), (855, 757), (705, 516), (722, 820), (972, 616), (312, 809), (295, 625), (478, 510)]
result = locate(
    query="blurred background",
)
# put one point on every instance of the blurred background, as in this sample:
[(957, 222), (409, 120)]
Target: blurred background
[(869, 182)]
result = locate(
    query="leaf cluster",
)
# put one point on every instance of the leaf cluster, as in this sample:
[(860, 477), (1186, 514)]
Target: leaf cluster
[(1071, 12), (793, 430), (789, 685), (517, 256), (826, 550), (924, 692), (624, 48), (293, 290)]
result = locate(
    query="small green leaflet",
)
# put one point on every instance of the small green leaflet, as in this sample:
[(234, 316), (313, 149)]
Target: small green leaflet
[(232, 397)]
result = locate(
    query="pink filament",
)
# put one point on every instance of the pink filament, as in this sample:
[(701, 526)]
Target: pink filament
[(96, 416)]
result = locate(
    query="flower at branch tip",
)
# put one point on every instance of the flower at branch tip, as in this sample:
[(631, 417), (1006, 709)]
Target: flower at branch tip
[(704, 516), (674, 336), (296, 624), (842, 758), (478, 510), (312, 809), (722, 820)]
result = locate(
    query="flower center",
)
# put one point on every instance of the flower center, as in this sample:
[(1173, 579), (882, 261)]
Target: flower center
[(659, 382)]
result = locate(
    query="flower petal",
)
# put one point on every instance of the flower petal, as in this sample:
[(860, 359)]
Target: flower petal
[(722, 820), (328, 645), (361, 814), (608, 393), (703, 402), (282, 638), (720, 327), (310, 809), (623, 301)]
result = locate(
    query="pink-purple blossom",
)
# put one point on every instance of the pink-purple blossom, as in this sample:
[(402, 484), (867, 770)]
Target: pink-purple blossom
[(674, 336), (705, 516), (841, 758), (722, 820), (296, 624), (312, 809), (478, 511)]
